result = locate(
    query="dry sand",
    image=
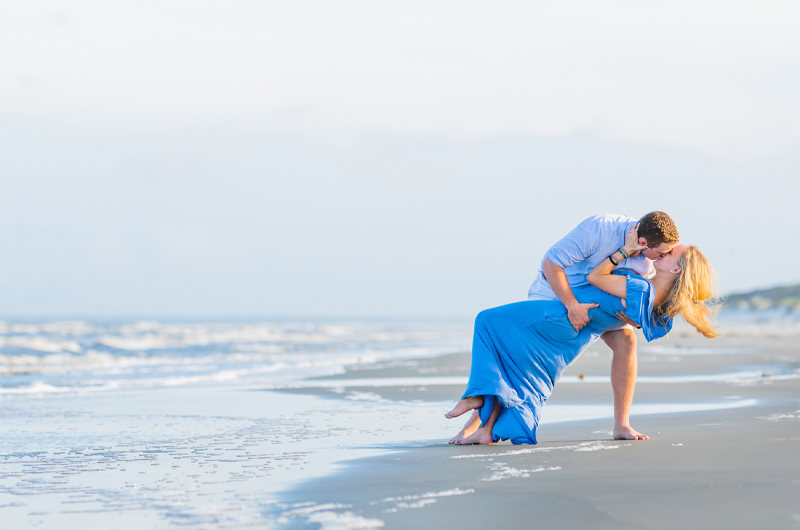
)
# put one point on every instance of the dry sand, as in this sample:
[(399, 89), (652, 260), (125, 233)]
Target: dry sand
[(731, 468)]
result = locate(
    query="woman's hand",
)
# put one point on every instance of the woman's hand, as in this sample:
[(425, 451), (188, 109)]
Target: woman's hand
[(632, 246)]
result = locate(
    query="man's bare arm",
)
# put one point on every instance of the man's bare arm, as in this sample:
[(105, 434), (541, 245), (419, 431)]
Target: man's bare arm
[(578, 313)]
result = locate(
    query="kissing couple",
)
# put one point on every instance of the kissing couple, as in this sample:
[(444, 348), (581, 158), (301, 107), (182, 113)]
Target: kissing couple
[(609, 274)]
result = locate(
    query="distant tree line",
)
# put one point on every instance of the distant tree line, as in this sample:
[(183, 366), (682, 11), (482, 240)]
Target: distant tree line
[(775, 298)]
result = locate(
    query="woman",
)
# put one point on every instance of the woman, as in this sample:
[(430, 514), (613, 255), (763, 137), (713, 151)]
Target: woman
[(520, 350)]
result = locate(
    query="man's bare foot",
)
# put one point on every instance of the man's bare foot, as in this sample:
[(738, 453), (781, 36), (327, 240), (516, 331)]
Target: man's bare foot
[(482, 436), (465, 405), (627, 433), (470, 427)]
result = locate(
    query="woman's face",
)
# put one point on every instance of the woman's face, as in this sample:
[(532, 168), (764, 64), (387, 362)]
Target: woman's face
[(669, 262)]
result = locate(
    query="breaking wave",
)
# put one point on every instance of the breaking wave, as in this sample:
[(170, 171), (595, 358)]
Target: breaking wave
[(58, 357)]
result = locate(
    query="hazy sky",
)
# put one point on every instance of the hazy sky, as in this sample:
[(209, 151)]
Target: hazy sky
[(212, 158)]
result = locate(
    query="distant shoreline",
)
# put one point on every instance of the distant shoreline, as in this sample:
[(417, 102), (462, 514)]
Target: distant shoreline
[(785, 297)]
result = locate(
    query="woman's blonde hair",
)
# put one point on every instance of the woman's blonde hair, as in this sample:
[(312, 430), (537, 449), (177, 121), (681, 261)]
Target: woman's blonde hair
[(692, 294)]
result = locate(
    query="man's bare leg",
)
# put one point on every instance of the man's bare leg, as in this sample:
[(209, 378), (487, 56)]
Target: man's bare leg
[(484, 434), (470, 427), (623, 381)]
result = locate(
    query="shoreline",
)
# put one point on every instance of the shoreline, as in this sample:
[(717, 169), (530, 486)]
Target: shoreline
[(367, 447), (734, 467)]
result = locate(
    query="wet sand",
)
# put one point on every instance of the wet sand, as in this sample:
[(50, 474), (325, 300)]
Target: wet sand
[(727, 468), (367, 448)]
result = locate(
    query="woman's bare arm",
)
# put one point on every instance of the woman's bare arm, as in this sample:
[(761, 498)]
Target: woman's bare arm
[(601, 276)]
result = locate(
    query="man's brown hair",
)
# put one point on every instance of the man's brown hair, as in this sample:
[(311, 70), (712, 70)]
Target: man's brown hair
[(657, 228)]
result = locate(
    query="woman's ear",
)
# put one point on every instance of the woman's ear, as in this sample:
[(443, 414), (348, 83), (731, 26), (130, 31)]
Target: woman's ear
[(676, 270)]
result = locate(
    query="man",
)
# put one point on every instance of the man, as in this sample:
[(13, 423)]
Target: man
[(567, 264)]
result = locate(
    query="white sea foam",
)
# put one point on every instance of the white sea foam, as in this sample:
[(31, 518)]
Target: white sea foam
[(38, 343), (83, 357), (365, 396), (343, 521), (501, 471), (419, 501), (780, 417), (305, 511), (429, 495), (583, 446), (37, 387)]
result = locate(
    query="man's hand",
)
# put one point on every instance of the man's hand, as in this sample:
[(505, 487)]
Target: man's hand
[(627, 433), (625, 318), (579, 315)]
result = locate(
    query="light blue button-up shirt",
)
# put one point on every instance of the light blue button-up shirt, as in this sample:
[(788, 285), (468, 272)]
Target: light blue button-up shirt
[(584, 248)]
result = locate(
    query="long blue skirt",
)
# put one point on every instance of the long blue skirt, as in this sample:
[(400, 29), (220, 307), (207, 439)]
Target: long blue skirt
[(518, 353)]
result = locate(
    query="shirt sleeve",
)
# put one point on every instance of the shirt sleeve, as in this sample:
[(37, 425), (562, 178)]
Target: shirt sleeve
[(651, 270), (576, 246), (639, 300)]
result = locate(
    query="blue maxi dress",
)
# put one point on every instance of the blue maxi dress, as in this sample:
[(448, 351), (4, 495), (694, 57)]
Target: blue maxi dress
[(520, 350)]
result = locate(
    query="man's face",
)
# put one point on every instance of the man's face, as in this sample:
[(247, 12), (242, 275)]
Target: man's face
[(659, 252)]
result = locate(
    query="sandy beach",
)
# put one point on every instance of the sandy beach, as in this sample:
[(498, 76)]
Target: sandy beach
[(181, 438), (732, 465)]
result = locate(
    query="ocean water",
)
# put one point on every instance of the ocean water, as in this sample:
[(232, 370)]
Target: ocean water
[(148, 425), (38, 358), (81, 357), (151, 425)]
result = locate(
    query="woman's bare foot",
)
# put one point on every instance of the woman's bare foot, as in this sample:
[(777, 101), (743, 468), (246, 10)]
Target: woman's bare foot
[(470, 427), (482, 436), (466, 404)]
